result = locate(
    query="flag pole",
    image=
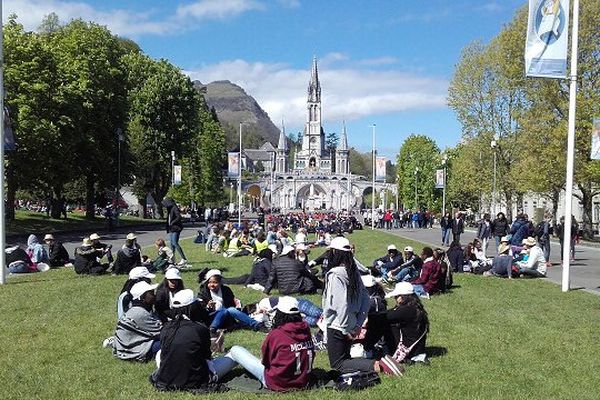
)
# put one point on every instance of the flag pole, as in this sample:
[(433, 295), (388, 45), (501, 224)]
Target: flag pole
[(566, 282), (2, 215)]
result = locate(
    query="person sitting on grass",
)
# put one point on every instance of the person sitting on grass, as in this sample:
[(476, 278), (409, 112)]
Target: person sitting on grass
[(102, 249), (345, 307), (236, 248), (291, 276), (164, 257), (137, 274), (287, 351), (220, 245), (17, 261), (186, 362), (409, 269), (165, 293), (261, 269), (389, 262), (86, 261), (264, 310), (129, 256), (456, 257), (502, 263), (427, 283), (535, 265), (37, 254), (137, 337), (58, 256), (221, 304)]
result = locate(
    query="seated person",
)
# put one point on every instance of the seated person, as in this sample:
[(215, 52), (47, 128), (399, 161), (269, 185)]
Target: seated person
[(236, 248), (58, 256), (301, 236), (502, 263), (18, 262), (136, 275), (86, 261), (221, 304), (221, 243), (535, 265), (164, 257), (264, 309), (166, 291), (388, 262), (482, 263), (37, 254), (185, 357), (456, 256), (137, 337), (427, 283), (128, 256), (103, 249), (376, 294), (445, 282), (290, 275), (261, 243), (261, 269), (406, 323), (287, 352), (409, 269)]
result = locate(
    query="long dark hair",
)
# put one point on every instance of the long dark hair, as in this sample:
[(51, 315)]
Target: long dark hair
[(165, 284), (345, 258), (130, 282), (194, 312), (282, 318), (413, 301)]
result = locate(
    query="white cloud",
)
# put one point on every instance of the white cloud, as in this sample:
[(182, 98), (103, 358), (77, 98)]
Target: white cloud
[(127, 22), (348, 93)]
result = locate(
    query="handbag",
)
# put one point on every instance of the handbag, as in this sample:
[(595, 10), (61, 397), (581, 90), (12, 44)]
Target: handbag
[(402, 351)]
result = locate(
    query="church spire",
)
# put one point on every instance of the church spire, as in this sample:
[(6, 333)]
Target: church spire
[(282, 145), (343, 139), (314, 86)]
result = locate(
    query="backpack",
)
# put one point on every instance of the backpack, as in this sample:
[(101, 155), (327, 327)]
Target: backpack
[(539, 230), (357, 380), (445, 279)]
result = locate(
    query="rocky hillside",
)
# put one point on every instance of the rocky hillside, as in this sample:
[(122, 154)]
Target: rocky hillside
[(233, 105)]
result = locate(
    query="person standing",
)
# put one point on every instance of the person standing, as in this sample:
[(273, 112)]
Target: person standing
[(445, 225), (484, 232), (499, 228), (457, 226), (542, 232), (560, 232), (174, 227)]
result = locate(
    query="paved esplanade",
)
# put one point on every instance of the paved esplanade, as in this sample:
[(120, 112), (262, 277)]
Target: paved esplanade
[(585, 270)]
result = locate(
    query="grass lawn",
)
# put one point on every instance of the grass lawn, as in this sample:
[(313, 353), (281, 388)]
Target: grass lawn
[(34, 222), (494, 339)]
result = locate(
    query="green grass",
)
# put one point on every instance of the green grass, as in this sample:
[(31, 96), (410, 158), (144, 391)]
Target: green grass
[(500, 339), (34, 222)]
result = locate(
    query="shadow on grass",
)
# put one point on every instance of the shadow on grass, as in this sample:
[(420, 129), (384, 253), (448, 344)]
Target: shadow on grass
[(436, 351)]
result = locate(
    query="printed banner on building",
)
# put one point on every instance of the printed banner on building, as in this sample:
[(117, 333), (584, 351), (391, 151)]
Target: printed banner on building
[(177, 175), (547, 39), (439, 179), (233, 165), (380, 172), (595, 154)]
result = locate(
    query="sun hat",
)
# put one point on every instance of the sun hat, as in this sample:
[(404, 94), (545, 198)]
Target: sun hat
[(138, 290), (86, 241), (131, 236), (211, 273), (368, 280), (340, 243), (409, 249), (401, 288), (503, 248), (286, 250), (94, 236), (392, 247), (529, 241), (48, 236), (504, 239), (173, 273), (183, 298), (288, 305), (140, 272)]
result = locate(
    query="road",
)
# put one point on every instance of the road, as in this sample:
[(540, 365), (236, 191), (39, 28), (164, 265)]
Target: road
[(585, 270)]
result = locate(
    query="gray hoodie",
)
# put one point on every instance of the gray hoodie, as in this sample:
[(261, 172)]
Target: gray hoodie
[(340, 312), (136, 330)]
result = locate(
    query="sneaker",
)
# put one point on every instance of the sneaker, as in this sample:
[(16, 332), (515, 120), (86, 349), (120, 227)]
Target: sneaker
[(261, 327), (390, 366), (425, 296), (183, 261), (217, 340), (108, 342)]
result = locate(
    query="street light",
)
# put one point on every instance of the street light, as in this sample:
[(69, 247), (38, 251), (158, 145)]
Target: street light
[(416, 179), (231, 193), (445, 164), (494, 145), (240, 181), (373, 191), (120, 138)]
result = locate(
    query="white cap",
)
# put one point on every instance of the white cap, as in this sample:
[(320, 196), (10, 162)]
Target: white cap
[(392, 247), (173, 273), (140, 288), (140, 272), (286, 250), (49, 236), (94, 236), (288, 305), (340, 243), (368, 280), (211, 273), (131, 236), (183, 298), (409, 249), (401, 288), (504, 239)]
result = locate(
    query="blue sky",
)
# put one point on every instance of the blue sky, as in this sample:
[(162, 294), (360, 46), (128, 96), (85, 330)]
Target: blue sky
[(382, 62)]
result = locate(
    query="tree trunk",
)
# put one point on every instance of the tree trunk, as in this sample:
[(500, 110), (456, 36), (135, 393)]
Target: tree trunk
[(11, 191), (142, 209), (586, 201), (555, 201), (90, 197)]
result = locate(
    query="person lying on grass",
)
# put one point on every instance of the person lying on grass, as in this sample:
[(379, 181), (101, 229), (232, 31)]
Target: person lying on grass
[(287, 352), (185, 361), (137, 274)]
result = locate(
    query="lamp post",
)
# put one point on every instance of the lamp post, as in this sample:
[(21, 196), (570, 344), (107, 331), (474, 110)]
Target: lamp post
[(445, 164), (240, 182), (172, 167), (230, 193), (120, 138), (494, 145), (416, 192), (373, 191)]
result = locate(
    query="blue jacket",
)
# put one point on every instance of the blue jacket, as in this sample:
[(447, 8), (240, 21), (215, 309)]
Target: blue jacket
[(519, 231)]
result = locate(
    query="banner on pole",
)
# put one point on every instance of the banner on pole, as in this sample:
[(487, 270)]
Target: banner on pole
[(380, 172), (439, 179), (547, 39), (177, 174), (595, 153), (233, 165)]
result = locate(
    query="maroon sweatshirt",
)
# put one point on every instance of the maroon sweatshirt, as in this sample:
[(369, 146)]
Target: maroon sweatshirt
[(288, 354), (429, 277)]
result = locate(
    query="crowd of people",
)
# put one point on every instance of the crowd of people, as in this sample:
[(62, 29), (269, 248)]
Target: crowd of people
[(399, 219)]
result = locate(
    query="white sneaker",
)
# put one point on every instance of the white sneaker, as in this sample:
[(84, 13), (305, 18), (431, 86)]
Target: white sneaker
[(182, 262), (108, 342)]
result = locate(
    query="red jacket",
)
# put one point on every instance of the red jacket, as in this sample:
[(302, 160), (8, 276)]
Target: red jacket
[(288, 354), (429, 277)]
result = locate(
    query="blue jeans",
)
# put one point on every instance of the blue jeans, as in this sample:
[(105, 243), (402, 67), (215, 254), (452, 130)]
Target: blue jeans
[(311, 311), (174, 240), (155, 348), (419, 290), (221, 366), (220, 317), (248, 361), (19, 268), (406, 274), (445, 236)]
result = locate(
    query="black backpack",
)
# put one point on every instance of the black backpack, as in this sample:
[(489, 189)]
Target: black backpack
[(357, 380)]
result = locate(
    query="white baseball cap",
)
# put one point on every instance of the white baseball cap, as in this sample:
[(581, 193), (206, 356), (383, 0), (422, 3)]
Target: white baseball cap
[(211, 273), (409, 249), (138, 290), (368, 280), (94, 236), (401, 288), (288, 305), (392, 247), (140, 272), (286, 250), (173, 273), (340, 243), (183, 298)]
